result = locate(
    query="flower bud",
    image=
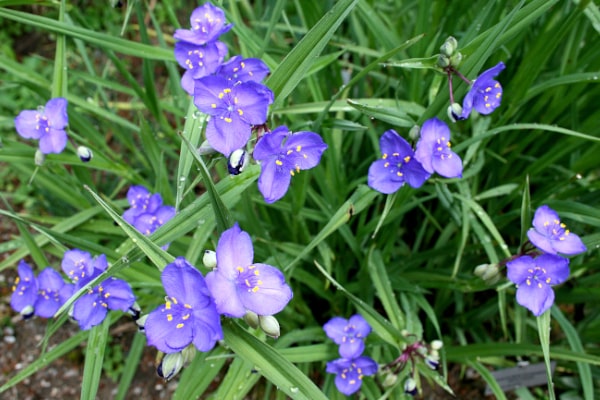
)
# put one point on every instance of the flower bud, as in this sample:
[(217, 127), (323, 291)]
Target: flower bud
[(414, 134), (141, 322), (237, 161), (206, 149), (135, 311), (27, 312), (433, 361), (436, 344), (209, 259), (39, 158), (269, 325), (188, 354), (443, 61), (410, 386), (170, 366), (389, 380), (252, 319), (454, 112), (456, 59), (449, 46), (85, 153), (490, 273)]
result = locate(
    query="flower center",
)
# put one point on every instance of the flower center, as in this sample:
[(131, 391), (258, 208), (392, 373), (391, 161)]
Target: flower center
[(395, 163), (556, 230), (249, 278), (537, 276), (176, 313)]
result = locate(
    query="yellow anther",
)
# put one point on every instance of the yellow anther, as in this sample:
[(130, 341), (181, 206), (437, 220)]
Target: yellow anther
[(240, 269), (226, 90), (384, 156), (406, 159), (179, 326), (298, 148), (240, 112), (169, 317), (255, 289), (278, 162), (228, 120)]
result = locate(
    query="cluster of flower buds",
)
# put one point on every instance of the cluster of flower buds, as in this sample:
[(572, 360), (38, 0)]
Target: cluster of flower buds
[(417, 351)]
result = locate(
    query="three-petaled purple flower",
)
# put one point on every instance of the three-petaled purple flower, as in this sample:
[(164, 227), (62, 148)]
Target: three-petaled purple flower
[(237, 284), (350, 372), (282, 155), (486, 93), (53, 292), (146, 213), (198, 60), (349, 334), (238, 69), (25, 290), (46, 124), (42, 295), (207, 24), (535, 277), (552, 236), (112, 294), (189, 314), (396, 166), (233, 109), (433, 150)]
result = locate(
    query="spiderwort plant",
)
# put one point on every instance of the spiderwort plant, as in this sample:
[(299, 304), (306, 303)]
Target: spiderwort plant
[(349, 373), (113, 294), (349, 334), (189, 315), (24, 291), (535, 277), (485, 94), (282, 154), (550, 235), (46, 124), (146, 213), (207, 24), (238, 284), (233, 110), (397, 165), (433, 150)]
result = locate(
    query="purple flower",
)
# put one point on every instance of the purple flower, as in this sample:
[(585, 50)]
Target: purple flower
[(198, 60), (46, 124), (208, 23), (141, 202), (189, 314), (238, 69), (535, 277), (233, 110), (112, 294), (433, 150), (485, 94), (551, 236), (238, 284), (349, 334), (146, 213), (25, 290), (350, 372), (53, 292), (81, 268), (282, 155), (396, 166)]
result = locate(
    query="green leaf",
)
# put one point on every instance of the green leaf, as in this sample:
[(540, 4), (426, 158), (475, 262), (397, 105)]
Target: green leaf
[(94, 358), (297, 62), (270, 363), (99, 39)]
